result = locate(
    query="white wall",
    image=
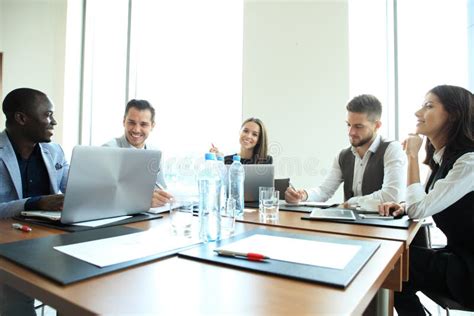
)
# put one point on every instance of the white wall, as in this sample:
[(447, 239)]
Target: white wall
[(296, 79), (32, 34)]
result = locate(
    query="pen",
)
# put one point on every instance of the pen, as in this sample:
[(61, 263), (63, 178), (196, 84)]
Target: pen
[(22, 227), (246, 255), (366, 216), (160, 187), (291, 186)]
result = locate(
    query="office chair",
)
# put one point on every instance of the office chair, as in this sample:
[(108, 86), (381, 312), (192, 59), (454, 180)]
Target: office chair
[(423, 238), (446, 303), (40, 306), (281, 185)]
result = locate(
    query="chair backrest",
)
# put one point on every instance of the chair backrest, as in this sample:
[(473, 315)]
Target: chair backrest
[(281, 185), (446, 302)]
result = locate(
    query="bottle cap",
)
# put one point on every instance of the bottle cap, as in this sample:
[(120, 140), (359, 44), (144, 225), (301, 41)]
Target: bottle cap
[(236, 158), (210, 156)]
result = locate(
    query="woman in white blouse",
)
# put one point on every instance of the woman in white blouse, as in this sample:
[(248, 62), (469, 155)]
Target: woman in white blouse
[(446, 118)]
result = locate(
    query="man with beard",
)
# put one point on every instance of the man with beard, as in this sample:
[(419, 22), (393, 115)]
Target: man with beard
[(371, 168), (33, 171)]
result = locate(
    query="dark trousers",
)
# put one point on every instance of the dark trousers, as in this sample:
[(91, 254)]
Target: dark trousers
[(428, 269), (13, 303)]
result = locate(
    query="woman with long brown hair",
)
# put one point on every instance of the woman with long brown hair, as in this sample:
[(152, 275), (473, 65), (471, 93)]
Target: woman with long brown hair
[(446, 118)]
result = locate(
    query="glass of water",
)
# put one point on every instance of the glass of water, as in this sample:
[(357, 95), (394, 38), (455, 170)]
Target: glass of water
[(270, 207), (228, 218), (181, 215)]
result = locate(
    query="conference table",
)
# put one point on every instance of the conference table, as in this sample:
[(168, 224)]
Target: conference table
[(178, 286), (383, 303)]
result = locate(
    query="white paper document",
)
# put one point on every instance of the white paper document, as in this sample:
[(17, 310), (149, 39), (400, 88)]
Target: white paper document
[(302, 251), (108, 251), (159, 209), (100, 222), (164, 208)]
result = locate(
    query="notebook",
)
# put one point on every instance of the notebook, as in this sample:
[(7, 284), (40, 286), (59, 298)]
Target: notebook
[(257, 176), (105, 182)]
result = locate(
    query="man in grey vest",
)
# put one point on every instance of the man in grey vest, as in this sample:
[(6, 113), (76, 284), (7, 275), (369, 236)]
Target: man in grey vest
[(138, 122), (371, 167)]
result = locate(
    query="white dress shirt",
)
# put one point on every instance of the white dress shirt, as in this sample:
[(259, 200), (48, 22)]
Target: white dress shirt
[(394, 182), (458, 182)]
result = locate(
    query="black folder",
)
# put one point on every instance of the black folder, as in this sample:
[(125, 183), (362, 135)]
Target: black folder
[(403, 222), (38, 255), (73, 228), (334, 277)]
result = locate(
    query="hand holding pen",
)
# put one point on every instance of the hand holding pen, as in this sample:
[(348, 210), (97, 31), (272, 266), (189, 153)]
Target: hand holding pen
[(215, 150), (160, 196), (293, 195)]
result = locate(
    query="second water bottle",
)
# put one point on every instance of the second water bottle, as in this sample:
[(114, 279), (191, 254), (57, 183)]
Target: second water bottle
[(236, 184), (209, 183)]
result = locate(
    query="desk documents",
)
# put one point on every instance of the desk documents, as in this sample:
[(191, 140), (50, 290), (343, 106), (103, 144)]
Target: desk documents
[(309, 252), (109, 251), (321, 259)]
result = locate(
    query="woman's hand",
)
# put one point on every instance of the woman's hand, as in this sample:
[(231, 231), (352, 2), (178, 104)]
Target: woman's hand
[(412, 145), (215, 150)]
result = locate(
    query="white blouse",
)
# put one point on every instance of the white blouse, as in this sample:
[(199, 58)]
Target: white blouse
[(458, 182)]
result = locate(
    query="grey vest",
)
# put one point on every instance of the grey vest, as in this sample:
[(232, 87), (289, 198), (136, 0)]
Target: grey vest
[(373, 174)]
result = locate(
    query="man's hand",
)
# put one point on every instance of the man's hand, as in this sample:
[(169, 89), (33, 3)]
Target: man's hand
[(295, 196), (52, 202), (344, 205), (160, 198), (391, 209)]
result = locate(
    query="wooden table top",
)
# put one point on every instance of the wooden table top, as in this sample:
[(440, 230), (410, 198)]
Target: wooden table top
[(289, 219), (181, 286)]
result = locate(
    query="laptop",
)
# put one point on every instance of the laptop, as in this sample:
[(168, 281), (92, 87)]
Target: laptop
[(333, 214), (105, 182), (257, 176)]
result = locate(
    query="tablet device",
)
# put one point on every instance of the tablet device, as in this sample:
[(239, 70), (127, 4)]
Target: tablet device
[(333, 214)]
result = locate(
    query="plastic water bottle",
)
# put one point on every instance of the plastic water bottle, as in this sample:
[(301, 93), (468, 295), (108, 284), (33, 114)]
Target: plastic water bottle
[(223, 172), (209, 183), (236, 184)]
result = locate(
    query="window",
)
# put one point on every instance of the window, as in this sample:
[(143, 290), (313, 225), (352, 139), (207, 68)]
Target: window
[(432, 50), (185, 58)]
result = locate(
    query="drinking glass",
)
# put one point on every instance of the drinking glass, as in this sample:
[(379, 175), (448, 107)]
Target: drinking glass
[(270, 207)]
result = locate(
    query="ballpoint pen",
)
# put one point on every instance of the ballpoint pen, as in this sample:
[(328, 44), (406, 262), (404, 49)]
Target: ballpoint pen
[(245, 255), (369, 216), (22, 227)]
